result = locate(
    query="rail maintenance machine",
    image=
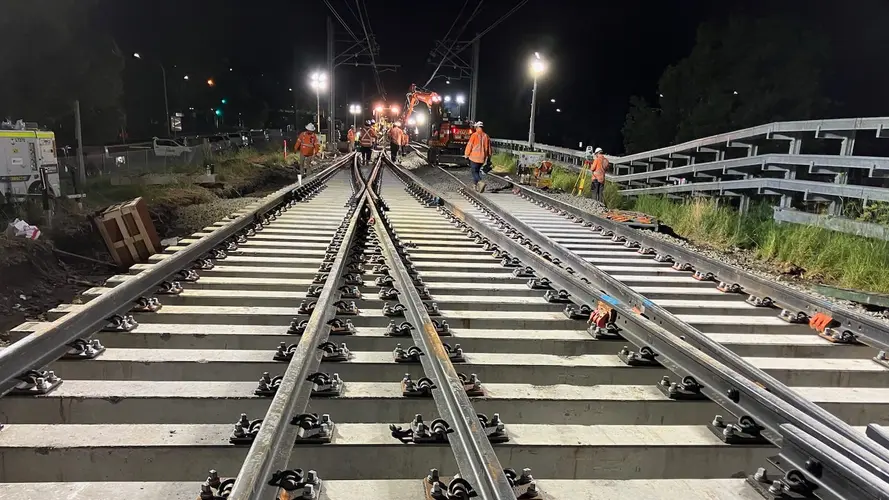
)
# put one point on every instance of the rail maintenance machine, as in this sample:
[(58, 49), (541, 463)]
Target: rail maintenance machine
[(447, 139)]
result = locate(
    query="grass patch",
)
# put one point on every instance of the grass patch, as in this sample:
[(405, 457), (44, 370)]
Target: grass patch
[(836, 258), (504, 163)]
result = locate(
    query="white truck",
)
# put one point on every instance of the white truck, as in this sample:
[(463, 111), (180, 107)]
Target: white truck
[(28, 162)]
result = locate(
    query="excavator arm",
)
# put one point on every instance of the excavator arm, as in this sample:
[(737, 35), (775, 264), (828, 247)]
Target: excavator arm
[(427, 97)]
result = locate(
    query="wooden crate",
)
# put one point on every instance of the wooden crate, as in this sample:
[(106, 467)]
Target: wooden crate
[(128, 232)]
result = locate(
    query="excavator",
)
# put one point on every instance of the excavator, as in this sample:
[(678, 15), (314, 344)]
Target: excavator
[(447, 139)]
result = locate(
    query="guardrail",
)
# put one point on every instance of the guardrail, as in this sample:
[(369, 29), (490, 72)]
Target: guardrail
[(765, 161)]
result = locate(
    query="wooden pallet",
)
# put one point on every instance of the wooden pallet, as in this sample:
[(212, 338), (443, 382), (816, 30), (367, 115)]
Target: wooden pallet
[(128, 232)]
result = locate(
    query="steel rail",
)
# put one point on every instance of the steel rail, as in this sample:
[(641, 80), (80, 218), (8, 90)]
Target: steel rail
[(475, 456), (720, 383), (41, 348), (274, 444), (671, 323), (872, 332)]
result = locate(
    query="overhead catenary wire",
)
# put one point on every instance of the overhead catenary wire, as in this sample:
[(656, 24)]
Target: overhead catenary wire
[(342, 21), (373, 60), (498, 21), (456, 37)]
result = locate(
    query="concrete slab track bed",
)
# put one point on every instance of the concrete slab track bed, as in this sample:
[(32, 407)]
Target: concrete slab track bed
[(156, 410)]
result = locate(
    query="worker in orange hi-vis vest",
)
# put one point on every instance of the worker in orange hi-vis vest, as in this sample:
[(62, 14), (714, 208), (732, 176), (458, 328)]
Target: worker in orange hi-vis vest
[(350, 137), (479, 152), (405, 140), (395, 138), (307, 145), (599, 167)]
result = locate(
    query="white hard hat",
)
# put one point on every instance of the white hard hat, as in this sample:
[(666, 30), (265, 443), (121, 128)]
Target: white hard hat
[(479, 124), (598, 150), (310, 127), (397, 124)]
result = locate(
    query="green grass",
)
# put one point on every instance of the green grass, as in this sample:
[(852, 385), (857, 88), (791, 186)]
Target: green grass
[(504, 163), (836, 258)]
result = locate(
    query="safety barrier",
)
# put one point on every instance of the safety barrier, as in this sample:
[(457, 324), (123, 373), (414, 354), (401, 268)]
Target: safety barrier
[(809, 165)]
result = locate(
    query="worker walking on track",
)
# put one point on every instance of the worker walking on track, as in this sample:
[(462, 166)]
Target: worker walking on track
[(405, 140), (600, 166), (366, 138), (306, 145), (350, 137), (478, 151), (396, 136)]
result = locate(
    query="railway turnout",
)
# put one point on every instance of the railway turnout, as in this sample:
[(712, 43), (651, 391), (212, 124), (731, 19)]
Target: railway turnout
[(371, 335)]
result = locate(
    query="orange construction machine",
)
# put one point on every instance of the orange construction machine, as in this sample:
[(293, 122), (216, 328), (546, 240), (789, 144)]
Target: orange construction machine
[(447, 139)]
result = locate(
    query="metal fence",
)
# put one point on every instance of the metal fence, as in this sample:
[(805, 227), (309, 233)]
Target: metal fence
[(124, 165), (814, 167)]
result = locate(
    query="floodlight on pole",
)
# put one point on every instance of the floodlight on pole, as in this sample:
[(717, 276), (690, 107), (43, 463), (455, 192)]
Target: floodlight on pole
[(355, 109), (318, 82), (461, 99), (168, 118), (537, 67)]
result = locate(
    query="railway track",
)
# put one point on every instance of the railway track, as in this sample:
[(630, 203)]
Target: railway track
[(179, 394)]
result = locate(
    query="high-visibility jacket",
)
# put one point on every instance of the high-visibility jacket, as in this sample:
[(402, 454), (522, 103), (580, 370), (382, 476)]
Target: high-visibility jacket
[(351, 135), (405, 139), (478, 149), (396, 135), (600, 165), (307, 143), (367, 137)]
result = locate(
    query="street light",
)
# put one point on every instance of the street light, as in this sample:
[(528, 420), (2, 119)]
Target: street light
[(166, 100), (552, 100), (210, 82), (355, 109), (537, 67), (447, 98), (185, 77), (394, 109), (461, 99), (558, 110), (318, 82)]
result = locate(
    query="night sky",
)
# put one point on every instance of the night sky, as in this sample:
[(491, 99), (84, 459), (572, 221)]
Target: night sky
[(599, 53)]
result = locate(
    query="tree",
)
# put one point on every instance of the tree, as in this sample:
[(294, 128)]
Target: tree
[(740, 73), (644, 127), (53, 55)]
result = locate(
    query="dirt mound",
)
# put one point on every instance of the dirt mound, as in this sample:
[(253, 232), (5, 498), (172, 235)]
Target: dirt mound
[(35, 280)]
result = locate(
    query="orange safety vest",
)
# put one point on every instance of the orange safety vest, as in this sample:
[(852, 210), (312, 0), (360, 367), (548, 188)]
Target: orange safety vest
[(405, 139), (351, 135), (306, 143), (367, 137), (600, 165), (478, 149), (396, 135)]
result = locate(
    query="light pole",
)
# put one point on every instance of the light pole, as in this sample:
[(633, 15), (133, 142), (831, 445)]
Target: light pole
[(318, 82), (461, 99), (537, 68), (355, 109), (166, 100)]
